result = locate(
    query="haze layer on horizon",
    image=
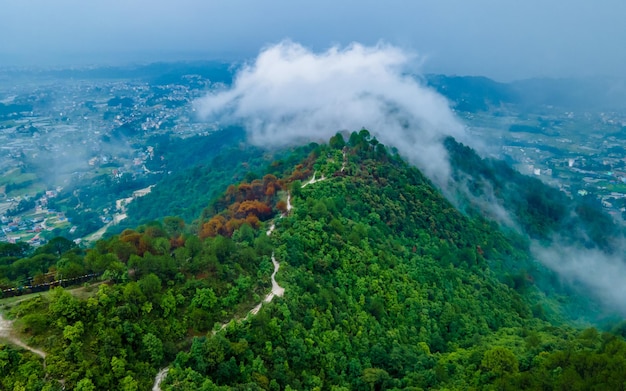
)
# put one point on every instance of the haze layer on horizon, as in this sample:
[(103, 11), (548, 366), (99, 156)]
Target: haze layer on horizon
[(504, 40)]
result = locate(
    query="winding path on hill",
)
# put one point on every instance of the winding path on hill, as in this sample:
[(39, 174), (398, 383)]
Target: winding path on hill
[(313, 180), (6, 326), (277, 290), (159, 379)]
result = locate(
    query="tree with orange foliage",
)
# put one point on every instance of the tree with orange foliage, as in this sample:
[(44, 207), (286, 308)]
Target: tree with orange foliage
[(253, 221), (233, 208), (139, 242), (177, 242), (270, 186), (231, 191), (281, 206), (244, 190), (269, 179), (131, 237), (299, 173), (258, 190), (215, 226), (232, 225), (259, 209)]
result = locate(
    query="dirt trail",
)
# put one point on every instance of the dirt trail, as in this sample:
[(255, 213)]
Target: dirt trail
[(313, 180), (6, 327), (277, 290), (159, 378)]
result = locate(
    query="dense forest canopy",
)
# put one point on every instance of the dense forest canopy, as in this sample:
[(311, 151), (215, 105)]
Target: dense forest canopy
[(540, 210), (387, 286)]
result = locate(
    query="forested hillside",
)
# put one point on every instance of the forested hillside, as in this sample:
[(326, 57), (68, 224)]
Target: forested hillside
[(541, 211), (387, 286), (202, 173)]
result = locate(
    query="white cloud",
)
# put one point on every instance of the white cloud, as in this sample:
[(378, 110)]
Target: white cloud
[(290, 95), (602, 274)]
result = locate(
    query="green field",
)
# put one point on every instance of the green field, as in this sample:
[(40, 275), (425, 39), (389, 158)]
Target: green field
[(616, 187), (17, 183), (17, 177)]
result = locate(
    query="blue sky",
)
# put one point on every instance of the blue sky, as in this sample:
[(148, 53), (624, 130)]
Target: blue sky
[(502, 39)]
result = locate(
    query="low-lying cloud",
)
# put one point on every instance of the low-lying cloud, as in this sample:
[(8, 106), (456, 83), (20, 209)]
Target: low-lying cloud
[(602, 274), (291, 95)]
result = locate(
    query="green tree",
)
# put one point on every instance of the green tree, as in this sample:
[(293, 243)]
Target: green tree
[(85, 385), (376, 378), (153, 348), (204, 299), (129, 384), (150, 286), (500, 361), (337, 141), (174, 226)]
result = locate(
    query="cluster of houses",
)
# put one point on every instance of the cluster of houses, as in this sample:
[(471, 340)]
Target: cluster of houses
[(28, 228)]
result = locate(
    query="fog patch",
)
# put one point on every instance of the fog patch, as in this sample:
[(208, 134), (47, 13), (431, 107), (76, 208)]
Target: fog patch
[(491, 207), (603, 275), (290, 95)]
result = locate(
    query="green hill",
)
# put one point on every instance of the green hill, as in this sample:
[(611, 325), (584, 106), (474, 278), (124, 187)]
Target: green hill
[(387, 286)]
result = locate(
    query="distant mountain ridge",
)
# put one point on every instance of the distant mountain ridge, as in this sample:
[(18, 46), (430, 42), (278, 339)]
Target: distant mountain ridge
[(477, 93)]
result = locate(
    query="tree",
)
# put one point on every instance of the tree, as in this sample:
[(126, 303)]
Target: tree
[(337, 141), (168, 303), (115, 271), (296, 188), (282, 206), (85, 385), (153, 347), (75, 332), (245, 235), (215, 226), (204, 299), (118, 367), (62, 303), (500, 361), (174, 226), (150, 285), (98, 262), (57, 246), (18, 250), (257, 208), (129, 384), (375, 377)]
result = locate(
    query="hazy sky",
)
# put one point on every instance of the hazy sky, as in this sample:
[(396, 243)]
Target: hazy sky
[(498, 38)]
